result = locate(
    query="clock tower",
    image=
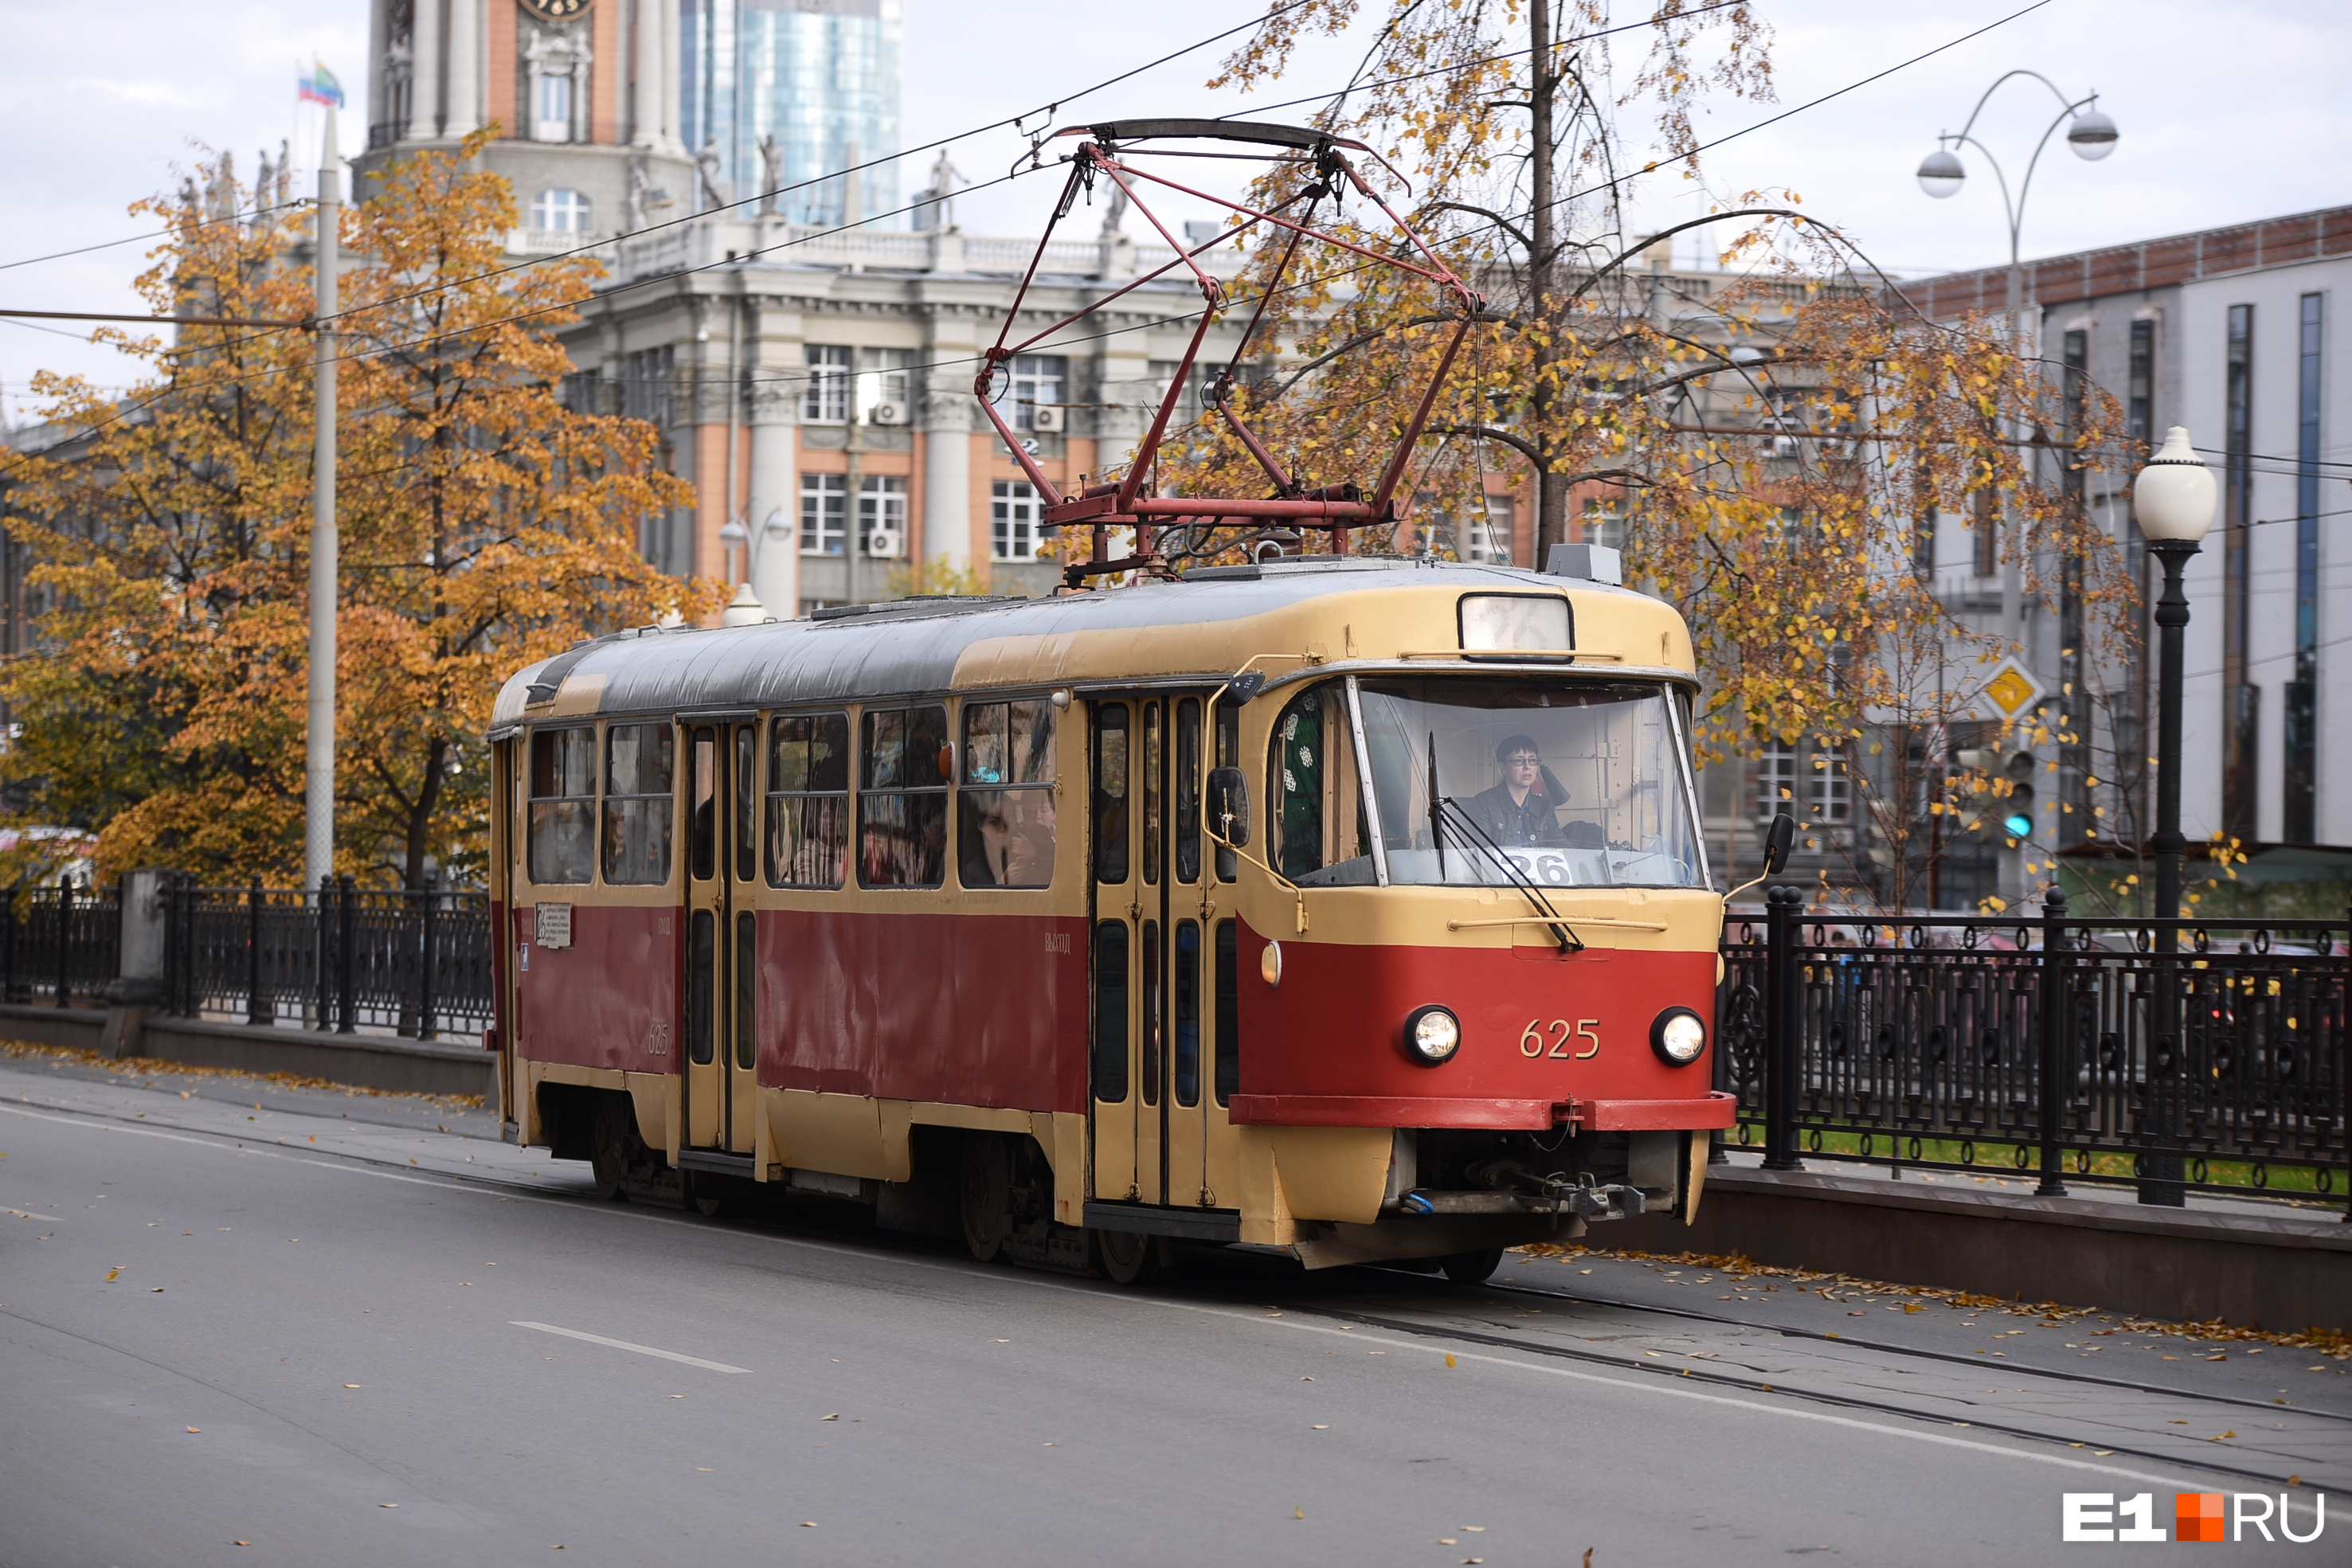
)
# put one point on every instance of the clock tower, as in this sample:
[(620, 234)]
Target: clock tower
[(584, 95)]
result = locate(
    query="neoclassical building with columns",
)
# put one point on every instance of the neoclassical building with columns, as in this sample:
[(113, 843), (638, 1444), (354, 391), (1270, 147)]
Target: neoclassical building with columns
[(816, 387)]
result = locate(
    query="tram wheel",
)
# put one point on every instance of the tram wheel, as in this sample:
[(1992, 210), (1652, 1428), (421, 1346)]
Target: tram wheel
[(608, 1154), (706, 1203), (1472, 1268), (1130, 1258), (984, 1194)]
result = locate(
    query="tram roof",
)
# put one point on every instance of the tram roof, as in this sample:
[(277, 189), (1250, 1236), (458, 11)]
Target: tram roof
[(917, 647)]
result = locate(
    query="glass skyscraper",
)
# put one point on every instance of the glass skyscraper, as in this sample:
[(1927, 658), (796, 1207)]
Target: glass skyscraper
[(821, 77)]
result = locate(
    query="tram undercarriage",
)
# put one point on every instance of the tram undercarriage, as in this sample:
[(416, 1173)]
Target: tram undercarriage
[(1455, 1199)]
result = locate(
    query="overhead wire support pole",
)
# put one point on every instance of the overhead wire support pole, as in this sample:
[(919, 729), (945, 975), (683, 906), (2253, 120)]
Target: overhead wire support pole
[(319, 762)]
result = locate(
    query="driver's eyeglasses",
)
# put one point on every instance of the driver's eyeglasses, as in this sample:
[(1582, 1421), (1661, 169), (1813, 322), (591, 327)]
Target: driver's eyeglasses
[(1525, 760)]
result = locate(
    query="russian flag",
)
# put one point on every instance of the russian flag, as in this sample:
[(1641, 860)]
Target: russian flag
[(321, 86)]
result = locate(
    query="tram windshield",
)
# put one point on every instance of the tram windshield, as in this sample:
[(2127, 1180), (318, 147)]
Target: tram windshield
[(1484, 782)]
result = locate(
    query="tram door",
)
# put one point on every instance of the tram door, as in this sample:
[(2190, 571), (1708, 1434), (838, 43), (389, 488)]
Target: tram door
[(721, 863), (1149, 976)]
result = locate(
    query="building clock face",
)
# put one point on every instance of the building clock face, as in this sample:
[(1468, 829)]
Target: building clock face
[(555, 10)]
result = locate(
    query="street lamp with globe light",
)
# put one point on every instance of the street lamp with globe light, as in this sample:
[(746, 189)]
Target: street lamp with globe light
[(2092, 136), (2173, 499)]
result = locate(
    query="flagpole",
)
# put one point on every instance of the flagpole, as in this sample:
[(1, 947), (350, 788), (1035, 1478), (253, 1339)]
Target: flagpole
[(319, 783)]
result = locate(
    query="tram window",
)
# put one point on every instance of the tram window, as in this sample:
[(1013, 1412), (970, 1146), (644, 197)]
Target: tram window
[(1110, 1010), (1229, 1011), (902, 802), (1228, 755), (1110, 793), (562, 806), (747, 802), (639, 767), (808, 800), (747, 987), (1004, 812), (1188, 1012), (700, 936), (1153, 1011), (1315, 828), (1188, 791), (1153, 751), (702, 786)]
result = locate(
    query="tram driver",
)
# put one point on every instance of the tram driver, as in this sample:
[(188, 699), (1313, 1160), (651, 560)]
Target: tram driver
[(1518, 811)]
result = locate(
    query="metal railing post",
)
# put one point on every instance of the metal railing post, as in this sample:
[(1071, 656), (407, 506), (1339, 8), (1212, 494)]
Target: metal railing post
[(347, 1019), (65, 940), (1784, 1018), (427, 1025), (8, 945), (256, 1008), (324, 967), (2055, 1053)]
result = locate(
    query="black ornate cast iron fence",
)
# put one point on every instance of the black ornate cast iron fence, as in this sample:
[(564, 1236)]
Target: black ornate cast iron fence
[(57, 943), (2044, 1042), (337, 958)]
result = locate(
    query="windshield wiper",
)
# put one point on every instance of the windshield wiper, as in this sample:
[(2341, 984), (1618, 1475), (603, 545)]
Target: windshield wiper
[(1436, 810), (1480, 839)]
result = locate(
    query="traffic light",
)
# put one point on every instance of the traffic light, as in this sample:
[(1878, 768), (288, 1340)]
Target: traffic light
[(2018, 820)]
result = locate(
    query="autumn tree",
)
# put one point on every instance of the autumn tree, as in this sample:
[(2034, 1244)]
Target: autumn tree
[(484, 525), (1772, 449)]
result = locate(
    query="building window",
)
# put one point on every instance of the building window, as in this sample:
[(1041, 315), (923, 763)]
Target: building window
[(1036, 382), (1603, 526), (645, 385), (1986, 534), (1810, 786), (825, 509), (2139, 405), (884, 376), (1489, 537), (1012, 520), (560, 211), (826, 401), (1923, 544), (554, 107), (882, 515)]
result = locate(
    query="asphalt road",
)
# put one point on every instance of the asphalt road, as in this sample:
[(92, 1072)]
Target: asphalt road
[(320, 1330)]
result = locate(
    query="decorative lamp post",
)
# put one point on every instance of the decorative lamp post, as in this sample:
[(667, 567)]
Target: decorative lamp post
[(745, 609), (2092, 136), (2173, 499)]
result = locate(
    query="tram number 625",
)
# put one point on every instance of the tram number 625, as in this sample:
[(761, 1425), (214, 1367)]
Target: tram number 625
[(1532, 1041)]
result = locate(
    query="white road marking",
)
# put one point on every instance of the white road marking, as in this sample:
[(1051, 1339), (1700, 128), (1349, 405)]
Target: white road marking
[(979, 1273), (640, 1348)]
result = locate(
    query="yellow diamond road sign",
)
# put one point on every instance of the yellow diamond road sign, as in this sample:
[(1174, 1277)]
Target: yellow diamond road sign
[(2012, 688)]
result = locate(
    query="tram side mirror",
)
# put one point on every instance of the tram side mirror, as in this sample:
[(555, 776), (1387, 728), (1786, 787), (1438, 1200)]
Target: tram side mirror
[(1229, 805), (1779, 838)]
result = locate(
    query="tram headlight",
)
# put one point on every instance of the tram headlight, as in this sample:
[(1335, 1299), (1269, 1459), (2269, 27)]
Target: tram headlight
[(1431, 1035), (1678, 1035)]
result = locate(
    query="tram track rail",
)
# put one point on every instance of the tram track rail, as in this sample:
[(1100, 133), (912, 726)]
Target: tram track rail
[(1944, 1355), (1716, 1378)]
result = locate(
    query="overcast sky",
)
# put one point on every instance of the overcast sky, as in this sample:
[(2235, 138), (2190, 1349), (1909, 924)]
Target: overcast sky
[(2228, 111)]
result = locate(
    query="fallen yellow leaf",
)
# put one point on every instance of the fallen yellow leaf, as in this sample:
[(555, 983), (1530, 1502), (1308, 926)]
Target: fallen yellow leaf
[(110, 1275)]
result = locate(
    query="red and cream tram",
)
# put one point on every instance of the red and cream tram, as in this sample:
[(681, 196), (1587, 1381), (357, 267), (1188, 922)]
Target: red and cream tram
[(1349, 905)]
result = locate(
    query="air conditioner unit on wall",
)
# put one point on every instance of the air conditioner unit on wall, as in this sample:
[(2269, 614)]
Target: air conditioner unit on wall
[(884, 544), (1045, 416), (887, 413)]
